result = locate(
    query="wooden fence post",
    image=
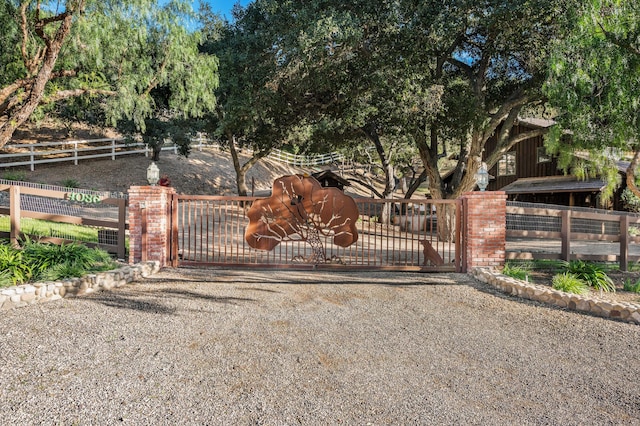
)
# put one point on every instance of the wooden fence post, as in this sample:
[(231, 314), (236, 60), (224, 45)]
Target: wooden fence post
[(32, 159), (122, 228), (624, 242), (565, 234), (14, 213)]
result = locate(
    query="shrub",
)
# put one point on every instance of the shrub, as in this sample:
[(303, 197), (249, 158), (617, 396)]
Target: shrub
[(569, 283), (37, 261), (632, 287), (15, 269), (517, 271), (630, 200), (16, 176), (5, 279), (45, 256), (591, 273), (70, 183), (62, 271)]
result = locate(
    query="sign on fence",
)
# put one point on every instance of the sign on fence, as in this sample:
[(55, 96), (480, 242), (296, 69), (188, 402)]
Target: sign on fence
[(59, 206)]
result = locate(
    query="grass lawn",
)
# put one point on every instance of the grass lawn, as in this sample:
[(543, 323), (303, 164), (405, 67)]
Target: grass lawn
[(44, 228)]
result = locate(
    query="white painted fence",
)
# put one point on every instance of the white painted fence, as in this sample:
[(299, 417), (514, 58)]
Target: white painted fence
[(16, 155), (305, 160)]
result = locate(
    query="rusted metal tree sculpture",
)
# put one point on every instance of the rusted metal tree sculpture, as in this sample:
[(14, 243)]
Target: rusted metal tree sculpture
[(300, 209)]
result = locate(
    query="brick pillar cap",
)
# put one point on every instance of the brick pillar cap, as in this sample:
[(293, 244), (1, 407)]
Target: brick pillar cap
[(487, 194), (152, 189)]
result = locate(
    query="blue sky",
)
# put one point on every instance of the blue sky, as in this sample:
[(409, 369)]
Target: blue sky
[(222, 6)]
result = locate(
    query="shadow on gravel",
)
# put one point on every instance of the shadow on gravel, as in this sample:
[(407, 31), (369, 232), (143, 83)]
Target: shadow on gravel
[(153, 280), (133, 301), (193, 295), (121, 301), (259, 289)]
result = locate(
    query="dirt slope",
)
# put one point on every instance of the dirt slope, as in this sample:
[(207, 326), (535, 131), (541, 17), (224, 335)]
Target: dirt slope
[(209, 172)]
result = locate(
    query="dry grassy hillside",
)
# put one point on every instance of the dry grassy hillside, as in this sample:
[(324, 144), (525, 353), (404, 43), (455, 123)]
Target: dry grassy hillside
[(208, 172)]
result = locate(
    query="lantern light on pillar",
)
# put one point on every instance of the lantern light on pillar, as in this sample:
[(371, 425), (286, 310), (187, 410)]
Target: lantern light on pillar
[(482, 177), (153, 174)]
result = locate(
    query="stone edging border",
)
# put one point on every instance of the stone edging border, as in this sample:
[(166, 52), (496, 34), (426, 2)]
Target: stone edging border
[(28, 294), (629, 312)]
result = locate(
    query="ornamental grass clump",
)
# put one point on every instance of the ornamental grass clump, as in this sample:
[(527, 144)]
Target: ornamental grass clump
[(13, 266), (591, 273), (569, 283), (36, 261), (631, 287), (517, 271)]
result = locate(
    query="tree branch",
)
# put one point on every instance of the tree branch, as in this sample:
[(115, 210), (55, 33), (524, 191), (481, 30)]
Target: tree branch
[(507, 124), (41, 23), (257, 156), (446, 56), (31, 64), (631, 174), (154, 81), (65, 94), (619, 42), (483, 65), (517, 100), (464, 67), (26, 83), (366, 185)]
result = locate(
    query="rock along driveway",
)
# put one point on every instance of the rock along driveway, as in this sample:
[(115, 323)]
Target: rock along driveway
[(208, 346)]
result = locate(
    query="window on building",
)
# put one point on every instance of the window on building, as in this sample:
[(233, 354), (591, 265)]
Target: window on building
[(543, 157), (507, 164)]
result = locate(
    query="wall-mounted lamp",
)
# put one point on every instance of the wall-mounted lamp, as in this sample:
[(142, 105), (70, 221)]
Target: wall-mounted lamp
[(153, 174), (482, 176)]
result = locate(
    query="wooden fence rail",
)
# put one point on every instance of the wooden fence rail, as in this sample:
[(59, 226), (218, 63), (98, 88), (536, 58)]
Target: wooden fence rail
[(600, 227), (55, 152), (117, 227), (17, 155)]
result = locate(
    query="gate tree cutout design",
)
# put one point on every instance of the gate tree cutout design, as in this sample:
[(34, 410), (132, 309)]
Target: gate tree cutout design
[(300, 209)]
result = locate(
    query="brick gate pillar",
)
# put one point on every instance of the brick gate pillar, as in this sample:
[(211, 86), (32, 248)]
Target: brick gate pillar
[(150, 224), (485, 229)]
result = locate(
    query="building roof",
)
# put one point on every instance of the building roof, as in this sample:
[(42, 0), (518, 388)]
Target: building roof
[(551, 184), (328, 174), (540, 123), (621, 165)]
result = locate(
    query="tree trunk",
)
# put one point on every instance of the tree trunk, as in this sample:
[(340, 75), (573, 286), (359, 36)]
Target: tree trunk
[(631, 174), (36, 93), (157, 149), (241, 170), (387, 168), (415, 184), (446, 219), (241, 173)]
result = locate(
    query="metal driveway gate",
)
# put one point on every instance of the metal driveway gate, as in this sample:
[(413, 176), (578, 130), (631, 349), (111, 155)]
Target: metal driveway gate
[(392, 235)]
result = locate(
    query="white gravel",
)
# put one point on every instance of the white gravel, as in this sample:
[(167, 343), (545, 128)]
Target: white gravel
[(192, 346)]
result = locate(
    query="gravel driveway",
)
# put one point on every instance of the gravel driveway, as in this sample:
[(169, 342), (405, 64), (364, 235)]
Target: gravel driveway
[(241, 347)]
